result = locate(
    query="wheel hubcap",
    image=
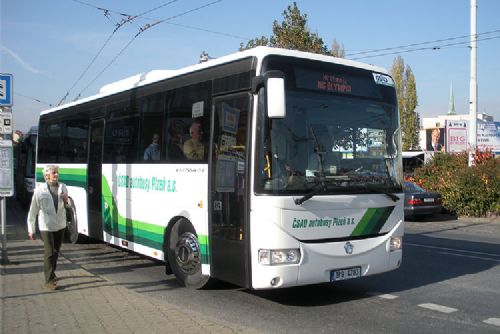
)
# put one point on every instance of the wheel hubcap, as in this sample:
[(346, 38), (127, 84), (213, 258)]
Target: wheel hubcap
[(187, 252)]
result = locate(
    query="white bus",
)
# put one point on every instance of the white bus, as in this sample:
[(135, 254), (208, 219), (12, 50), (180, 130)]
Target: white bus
[(24, 176), (296, 178)]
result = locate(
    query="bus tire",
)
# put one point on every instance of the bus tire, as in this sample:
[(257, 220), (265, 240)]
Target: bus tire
[(71, 233), (184, 256)]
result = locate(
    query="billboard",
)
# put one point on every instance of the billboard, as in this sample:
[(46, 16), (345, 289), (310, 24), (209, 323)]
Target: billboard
[(488, 136), (434, 139), (456, 135)]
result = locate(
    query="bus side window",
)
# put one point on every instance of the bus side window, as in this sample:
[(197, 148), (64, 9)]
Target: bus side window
[(74, 141), (187, 105), (175, 140), (120, 140), (151, 109), (49, 139)]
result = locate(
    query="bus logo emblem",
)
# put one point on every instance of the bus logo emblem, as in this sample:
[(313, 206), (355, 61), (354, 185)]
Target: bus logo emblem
[(348, 248), (382, 79)]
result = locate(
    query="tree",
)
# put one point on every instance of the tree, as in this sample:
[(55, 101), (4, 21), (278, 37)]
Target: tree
[(406, 90), (293, 33), (412, 117), (337, 49), (258, 41)]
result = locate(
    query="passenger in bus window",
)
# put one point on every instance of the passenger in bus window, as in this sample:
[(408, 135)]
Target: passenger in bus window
[(175, 142), (152, 152), (194, 148), (49, 202)]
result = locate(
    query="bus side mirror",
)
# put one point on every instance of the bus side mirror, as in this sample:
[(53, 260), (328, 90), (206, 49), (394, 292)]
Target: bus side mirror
[(274, 82), (276, 104)]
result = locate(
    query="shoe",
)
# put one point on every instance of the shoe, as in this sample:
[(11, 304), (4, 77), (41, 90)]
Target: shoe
[(50, 285)]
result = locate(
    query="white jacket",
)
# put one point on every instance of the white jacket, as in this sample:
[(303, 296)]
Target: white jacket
[(42, 205)]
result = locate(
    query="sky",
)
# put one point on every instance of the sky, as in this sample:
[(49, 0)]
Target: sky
[(57, 47)]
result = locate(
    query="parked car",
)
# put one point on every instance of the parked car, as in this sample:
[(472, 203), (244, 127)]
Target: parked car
[(419, 202)]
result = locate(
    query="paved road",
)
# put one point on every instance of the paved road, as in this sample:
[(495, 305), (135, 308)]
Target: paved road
[(86, 302), (448, 283), (449, 266)]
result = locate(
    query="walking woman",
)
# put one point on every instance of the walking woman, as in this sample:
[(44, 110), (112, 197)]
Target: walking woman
[(48, 203)]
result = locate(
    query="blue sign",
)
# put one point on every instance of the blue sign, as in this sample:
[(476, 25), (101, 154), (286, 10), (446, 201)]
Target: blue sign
[(5, 89)]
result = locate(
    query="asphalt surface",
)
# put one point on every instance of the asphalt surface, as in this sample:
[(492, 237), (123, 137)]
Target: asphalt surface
[(450, 265), (85, 302)]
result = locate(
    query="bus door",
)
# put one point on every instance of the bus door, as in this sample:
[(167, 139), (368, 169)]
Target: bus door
[(94, 179), (229, 238)]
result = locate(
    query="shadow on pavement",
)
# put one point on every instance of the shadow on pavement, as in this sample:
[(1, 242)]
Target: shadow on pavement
[(441, 217)]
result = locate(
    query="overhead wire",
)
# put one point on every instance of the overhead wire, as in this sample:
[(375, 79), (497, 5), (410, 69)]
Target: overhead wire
[(366, 54), (148, 26), (33, 98), (87, 68), (127, 19), (141, 30), (434, 47), (104, 10), (404, 47), (209, 31), (422, 43), (171, 23)]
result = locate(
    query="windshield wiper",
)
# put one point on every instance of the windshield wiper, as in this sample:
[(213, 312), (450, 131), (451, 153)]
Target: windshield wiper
[(394, 198), (319, 187), (391, 196)]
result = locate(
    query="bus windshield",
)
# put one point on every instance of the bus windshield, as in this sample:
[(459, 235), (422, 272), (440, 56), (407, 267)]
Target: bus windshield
[(343, 144)]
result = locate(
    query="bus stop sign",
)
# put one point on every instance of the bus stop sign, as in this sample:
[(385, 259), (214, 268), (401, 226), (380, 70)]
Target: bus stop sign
[(6, 169), (5, 89)]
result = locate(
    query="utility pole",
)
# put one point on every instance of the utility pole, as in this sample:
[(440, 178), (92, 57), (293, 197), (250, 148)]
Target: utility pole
[(473, 83)]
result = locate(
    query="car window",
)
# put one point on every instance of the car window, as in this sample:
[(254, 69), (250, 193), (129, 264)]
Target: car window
[(412, 187)]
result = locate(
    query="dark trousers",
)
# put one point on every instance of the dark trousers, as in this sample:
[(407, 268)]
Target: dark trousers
[(52, 245)]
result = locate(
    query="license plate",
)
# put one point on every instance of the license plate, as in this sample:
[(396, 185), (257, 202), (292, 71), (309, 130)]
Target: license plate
[(343, 274), (428, 200)]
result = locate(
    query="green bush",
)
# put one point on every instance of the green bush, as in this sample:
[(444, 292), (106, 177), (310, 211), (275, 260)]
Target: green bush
[(468, 191)]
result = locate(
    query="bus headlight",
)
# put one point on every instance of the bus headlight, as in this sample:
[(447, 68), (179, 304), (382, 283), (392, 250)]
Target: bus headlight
[(396, 243), (273, 257)]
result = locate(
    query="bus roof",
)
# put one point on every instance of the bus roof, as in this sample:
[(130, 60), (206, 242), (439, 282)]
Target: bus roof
[(32, 131), (259, 52)]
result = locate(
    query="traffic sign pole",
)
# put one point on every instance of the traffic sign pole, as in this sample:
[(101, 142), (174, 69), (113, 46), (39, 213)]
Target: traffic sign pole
[(5, 257), (6, 155)]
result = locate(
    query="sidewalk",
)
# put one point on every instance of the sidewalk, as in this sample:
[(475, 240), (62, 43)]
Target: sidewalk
[(440, 223), (84, 302)]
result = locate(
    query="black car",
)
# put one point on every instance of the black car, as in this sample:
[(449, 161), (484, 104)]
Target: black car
[(419, 202)]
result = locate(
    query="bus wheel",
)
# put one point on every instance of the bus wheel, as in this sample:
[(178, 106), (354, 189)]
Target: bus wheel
[(71, 233), (184, 256)]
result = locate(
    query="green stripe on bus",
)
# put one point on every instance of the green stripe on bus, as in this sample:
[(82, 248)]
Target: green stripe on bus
[(363, 222), (39, 174), (143, 233), (113, 223), (372, 221), (203, 240), (76, 177), (384, 215)]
